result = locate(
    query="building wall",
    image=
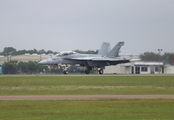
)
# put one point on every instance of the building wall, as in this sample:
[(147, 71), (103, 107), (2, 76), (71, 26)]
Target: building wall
[(169, 69), (127, 69), (118, 69), (150, 70), (112, 69)]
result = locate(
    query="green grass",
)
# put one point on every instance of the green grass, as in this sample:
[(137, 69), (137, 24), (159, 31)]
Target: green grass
[(82, 109), (86, 85), (85, 110)]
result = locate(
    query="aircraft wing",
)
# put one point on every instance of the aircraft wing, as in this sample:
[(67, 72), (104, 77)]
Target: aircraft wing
[(99, 59)]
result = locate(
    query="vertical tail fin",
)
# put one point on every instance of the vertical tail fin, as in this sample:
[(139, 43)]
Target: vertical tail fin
[(105, 48), (115, 51)]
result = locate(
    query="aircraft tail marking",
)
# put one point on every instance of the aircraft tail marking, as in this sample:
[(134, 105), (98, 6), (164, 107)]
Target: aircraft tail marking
[(115, 51)]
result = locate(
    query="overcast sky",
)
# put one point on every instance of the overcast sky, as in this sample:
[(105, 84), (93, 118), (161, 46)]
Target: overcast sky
[(59, 25)]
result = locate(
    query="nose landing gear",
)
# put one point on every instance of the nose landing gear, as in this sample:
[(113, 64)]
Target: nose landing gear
[(65, 69)]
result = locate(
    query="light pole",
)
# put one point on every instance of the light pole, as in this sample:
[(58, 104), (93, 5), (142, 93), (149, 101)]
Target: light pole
[(159, 68)]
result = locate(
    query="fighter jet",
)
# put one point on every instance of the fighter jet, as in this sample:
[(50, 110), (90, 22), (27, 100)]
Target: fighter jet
[(105, 57)]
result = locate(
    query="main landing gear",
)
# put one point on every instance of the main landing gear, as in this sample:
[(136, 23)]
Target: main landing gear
[(65, 72), (87, 70), (101, 71)]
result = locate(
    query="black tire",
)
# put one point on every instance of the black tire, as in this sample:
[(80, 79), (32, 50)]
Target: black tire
[(65, 72), (100, 71), (87, 71)]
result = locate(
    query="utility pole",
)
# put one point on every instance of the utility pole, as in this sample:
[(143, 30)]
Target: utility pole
[(159, 68)]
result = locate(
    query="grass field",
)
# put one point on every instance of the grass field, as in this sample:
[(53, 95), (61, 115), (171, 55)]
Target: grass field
[(86, 85), (88, 110)]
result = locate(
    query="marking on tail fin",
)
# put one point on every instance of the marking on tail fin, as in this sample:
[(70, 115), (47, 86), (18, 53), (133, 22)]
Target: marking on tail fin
[(115, 51)]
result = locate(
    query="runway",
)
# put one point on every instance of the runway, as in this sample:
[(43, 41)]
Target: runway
[(86, 97)]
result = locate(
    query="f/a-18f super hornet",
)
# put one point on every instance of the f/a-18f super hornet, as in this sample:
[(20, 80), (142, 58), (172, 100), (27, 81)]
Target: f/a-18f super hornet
[(105, 57)]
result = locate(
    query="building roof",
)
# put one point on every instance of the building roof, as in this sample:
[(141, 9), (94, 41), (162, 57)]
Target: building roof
[(148, 63)]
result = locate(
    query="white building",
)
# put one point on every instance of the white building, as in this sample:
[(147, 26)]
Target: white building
[(140, 67)]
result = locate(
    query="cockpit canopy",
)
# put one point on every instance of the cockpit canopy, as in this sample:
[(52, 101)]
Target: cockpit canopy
[(64, 53)]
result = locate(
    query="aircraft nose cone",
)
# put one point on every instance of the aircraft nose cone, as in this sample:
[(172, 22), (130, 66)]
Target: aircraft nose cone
[(42, 62)]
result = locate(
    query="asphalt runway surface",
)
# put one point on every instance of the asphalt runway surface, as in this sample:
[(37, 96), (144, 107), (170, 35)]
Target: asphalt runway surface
[(85, 97)]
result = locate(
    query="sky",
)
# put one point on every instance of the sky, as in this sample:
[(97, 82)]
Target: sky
[(60, 25)]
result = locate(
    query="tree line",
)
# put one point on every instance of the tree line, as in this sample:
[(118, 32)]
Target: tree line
[(167, 58), (14, 67), (12, 51), (86, 52)]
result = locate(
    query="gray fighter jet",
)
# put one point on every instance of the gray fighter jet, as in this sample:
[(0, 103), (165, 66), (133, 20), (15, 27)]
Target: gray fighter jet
[(105, 57)]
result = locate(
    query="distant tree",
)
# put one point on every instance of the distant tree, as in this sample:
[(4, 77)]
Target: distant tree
[(21, 52), (49, 52), (168, 58), (32, 51), (87, 52), (22, 67), (9, 68), (91, 52), (43, 68), (8, 51), (150, 56), (12, 51), (41, 51), (33, 67), (14, 62), (55, 53)]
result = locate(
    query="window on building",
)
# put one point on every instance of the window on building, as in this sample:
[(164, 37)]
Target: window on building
[(132, 69), (144, 69), (156, 69), (137, 70)]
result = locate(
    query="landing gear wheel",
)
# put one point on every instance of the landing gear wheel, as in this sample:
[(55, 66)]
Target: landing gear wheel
[(87, 71), (100, 71), (65, 72)]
